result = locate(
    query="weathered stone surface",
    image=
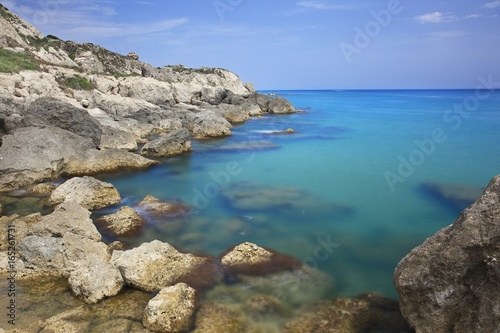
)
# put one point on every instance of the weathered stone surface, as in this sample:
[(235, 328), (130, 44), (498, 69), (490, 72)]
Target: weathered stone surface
[(368, 313), (115, 138), (207, 124), (156, 265), (43, 189), (43, 254), (88, 192), (65, 322), (32, 155), (93, 162), (250, 259), (49, 111), (172, 310), (452, 281), (19, 228), (124, 222), (68, 217), (95, 280), (174, 143)]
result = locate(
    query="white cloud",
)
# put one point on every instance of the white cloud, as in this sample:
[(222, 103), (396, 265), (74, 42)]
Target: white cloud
[(448, 34), (491, 5), (322, 5), (436, 17), (472, 16)]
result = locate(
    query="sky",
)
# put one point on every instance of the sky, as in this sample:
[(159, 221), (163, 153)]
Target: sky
[(293, 44)]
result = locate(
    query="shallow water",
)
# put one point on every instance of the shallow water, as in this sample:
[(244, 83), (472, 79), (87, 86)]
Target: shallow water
[(322, 194)]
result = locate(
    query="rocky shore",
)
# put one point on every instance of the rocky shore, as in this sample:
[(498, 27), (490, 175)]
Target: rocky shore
[(76, 110)]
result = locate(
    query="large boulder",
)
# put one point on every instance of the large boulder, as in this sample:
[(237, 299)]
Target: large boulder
[(156, 265), (31, 155), (172, 310), (452, 281), (88, 192), (54, 112), (116, 138), (207, 124), (174, 143)]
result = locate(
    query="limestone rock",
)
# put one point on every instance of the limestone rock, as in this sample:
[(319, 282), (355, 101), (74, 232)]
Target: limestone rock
[(156, 265), (43, 189), (43, 254), (124, 222), (93, 162), (115, 138), (250, 259), (88, 192), (68, 217), (158, 209), (32, 155), (207, 124), (65, 322), (452, 281), (368, 313), (215, 318), (172, 310), (95, 281), (172, 144), (20, 226), (49, 111), (133, 55)]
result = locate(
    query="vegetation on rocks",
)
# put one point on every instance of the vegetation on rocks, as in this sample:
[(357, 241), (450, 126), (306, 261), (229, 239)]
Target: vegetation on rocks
[(78, 82), (13, 62)]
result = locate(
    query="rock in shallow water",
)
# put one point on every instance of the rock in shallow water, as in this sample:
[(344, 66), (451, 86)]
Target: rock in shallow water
[(457, 195), (125, 222), (172, 310), (88, 192), (452, 281)]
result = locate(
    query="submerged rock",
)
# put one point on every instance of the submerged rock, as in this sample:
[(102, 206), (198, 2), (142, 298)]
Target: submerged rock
[(248, 146), (368, 313), (250, 259), (217, 318), (156, 265), (123, 223), (162, 209), (172, 310), (456, 195), (452, 281), (88, 192), (174, 143)]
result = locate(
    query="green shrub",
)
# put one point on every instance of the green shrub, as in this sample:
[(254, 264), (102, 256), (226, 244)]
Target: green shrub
[(78, 82), (14, 62)]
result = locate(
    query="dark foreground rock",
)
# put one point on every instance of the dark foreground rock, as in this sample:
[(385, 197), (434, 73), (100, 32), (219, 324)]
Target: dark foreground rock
[(451, 283)]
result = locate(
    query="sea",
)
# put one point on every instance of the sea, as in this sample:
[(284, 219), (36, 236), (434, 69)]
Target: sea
[(360, 179)]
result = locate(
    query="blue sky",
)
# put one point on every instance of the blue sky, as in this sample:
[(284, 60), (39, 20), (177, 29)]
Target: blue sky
[(295, 44)]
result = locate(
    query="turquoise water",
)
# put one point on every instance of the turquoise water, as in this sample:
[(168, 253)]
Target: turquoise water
[(322, 194)]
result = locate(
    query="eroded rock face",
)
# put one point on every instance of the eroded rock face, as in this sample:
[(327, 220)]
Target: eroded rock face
[(452, 281), (174, 143), (156, 265), (88, 192), (172, 310)]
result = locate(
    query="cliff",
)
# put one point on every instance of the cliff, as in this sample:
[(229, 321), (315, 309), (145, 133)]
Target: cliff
[(48, 86)]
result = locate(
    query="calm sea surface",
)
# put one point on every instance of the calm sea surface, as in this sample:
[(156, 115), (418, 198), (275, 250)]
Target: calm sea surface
[(345, 193)]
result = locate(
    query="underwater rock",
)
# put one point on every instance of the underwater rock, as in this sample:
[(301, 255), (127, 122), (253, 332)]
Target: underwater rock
[(71, 321), (254, 196), (250, 259), (265, 305), (247, 146), (162, 209), (123, 223), (171, 310), (287, 131), (457, 195), (217, 318), (88, 192), (157, 265), (452, 281), (367, 313)]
